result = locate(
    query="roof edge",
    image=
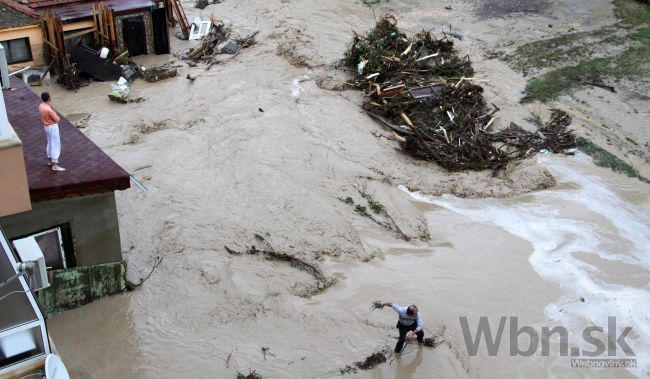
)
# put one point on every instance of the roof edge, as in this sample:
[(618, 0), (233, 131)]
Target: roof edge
[(21, 8), (71, 191)]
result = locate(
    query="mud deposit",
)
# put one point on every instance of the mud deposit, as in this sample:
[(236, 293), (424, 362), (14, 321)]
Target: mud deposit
[(258, 146)]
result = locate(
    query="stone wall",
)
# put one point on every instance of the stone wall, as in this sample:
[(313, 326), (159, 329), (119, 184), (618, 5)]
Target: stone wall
[(148, 30), (74, 287)]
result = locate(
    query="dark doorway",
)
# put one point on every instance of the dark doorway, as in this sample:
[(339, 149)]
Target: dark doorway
[(160, 31), (135, 39)]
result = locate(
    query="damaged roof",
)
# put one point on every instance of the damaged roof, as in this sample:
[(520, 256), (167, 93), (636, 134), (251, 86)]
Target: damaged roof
[(76, 9), (14, 15), (73, 10), (89, 169), (36, 4)]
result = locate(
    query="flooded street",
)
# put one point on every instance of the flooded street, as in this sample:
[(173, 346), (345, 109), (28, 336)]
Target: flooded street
[(263, 147), (528, 256)]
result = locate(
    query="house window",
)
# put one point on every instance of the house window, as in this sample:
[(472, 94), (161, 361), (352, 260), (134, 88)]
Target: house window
[(55, 243), (17, 50)]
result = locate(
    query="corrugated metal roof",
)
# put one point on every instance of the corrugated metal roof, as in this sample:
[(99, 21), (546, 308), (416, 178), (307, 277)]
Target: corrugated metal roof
[(79, 10)]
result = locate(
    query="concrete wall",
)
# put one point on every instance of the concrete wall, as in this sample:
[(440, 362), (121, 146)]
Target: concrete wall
[(14, 196), (93, 225), (35, 35)]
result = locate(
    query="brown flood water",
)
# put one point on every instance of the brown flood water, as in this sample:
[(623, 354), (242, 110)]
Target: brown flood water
[(473, 267), (219, 170)]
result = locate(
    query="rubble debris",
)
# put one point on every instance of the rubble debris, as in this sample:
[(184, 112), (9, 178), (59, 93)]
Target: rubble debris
[(370, 362), (79, 120), (34, 80), (432, 341), (155, 126), (251, 375), (69, 78), (120, 91), (228, 47), (129, 71), (201, 4), (420, 89), (199, 28), (157, 73), (218, 40), (122, 58)]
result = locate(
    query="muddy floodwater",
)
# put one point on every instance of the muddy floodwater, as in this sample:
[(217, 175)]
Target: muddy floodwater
[(569, 256), (264, 148)]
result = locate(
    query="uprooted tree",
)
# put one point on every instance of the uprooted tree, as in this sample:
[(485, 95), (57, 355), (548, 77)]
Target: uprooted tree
[(422, 90)]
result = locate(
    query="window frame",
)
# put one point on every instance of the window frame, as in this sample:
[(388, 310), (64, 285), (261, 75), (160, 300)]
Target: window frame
[(62, 251), (65, 239), (29, 49)]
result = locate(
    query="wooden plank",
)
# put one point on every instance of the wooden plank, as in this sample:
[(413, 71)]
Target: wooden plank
[(95, 22), (51, 45), (100, 24), (113, 31), (78, 34)]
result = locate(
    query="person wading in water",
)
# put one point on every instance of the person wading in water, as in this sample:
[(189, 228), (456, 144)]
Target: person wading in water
[(409, 323)]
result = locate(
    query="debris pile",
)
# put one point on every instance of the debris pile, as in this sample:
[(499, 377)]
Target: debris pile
[(371, 361), (218, 40), (420, 89), (251, 375), (201, 4), (157, 73)]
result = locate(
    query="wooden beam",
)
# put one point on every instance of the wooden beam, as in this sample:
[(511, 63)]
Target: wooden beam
[(51, 46), (78, 34)]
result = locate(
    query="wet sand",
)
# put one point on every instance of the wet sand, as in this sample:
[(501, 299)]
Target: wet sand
[(219, 171)]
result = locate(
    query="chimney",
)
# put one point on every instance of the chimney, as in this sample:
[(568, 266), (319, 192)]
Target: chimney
[(5, 132)]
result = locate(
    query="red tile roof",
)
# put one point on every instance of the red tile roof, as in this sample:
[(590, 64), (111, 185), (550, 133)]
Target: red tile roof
[(89, 169)]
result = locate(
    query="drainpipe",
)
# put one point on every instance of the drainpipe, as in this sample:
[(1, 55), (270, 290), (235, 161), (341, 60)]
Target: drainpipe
[(5, 132)]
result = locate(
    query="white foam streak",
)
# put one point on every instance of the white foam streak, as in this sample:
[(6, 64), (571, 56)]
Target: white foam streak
[(546, 219)]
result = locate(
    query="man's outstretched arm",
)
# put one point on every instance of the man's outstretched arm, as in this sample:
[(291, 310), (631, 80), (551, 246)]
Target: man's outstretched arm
[(396, 307)]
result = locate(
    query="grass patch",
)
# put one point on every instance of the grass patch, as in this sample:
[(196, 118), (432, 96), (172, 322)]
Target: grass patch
[(631, 63), (632, 12), (376, 206), (604, 158)]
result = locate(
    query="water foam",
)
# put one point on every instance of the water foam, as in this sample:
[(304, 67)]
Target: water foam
[(547, 220)]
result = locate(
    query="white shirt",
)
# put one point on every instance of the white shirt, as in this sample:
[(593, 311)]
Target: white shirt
[(406, 319)]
